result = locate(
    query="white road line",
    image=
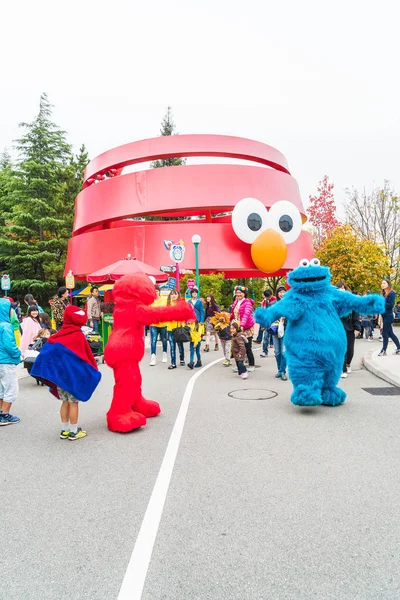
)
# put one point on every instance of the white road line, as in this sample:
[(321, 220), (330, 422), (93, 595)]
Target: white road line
[(136, 572)]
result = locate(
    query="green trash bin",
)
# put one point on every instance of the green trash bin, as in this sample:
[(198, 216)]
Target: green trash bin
[(106, 328)]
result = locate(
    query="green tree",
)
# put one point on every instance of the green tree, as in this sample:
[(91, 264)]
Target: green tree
[(37, 223), (5, 183), (168, 128), (360, 263)]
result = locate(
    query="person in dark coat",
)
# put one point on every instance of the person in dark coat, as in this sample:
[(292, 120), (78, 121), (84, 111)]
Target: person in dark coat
[(352, 326)]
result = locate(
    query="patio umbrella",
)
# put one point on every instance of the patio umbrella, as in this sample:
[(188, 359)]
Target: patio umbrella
[(83, 292), (127, 266)]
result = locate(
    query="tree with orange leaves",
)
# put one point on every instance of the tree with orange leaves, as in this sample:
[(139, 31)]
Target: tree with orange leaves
[(360, 263)]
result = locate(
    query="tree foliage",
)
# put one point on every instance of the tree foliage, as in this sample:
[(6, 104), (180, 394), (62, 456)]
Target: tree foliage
[(322, 212), (375, 217), (37, 205), (223, 289), (168, 128), (360, 263)]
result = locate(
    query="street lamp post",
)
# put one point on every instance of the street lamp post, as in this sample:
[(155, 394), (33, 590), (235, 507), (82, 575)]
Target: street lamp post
[(196, 239)]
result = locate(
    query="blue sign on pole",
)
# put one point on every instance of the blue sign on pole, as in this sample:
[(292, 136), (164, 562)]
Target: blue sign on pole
[(171, 283)]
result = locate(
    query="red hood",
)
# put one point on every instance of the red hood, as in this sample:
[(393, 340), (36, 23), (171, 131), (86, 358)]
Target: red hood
[(74, 315)]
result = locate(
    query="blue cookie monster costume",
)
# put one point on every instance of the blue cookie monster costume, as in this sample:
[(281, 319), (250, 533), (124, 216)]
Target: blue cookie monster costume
[(315, 339)]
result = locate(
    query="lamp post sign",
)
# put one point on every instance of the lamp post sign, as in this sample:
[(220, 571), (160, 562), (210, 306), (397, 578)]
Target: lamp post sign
[(5, 283), (176, 254)]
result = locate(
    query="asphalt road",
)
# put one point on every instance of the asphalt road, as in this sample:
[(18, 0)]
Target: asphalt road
[(266, 502)]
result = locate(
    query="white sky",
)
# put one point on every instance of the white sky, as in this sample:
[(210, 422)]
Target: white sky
[(317, 80)]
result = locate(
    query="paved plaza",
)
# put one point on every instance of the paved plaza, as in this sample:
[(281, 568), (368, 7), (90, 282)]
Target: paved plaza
[(263, 500)]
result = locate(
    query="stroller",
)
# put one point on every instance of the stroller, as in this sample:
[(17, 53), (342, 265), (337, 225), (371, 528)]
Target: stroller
[(31, 355), (95, 342)]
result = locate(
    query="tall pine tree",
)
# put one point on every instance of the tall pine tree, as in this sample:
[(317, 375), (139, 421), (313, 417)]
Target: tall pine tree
[(168, 128), (38, 222)]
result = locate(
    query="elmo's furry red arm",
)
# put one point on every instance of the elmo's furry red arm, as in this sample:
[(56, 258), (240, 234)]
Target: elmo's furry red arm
[(181, 311)]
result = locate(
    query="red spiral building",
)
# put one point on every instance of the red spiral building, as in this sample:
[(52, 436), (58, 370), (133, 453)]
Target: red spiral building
[(263, 235)]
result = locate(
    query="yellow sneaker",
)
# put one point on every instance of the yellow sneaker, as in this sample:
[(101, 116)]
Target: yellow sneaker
[(78, 435), (64, 435)]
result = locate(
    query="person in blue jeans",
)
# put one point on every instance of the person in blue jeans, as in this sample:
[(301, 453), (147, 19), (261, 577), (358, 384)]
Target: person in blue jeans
[(173, 297), (279, 346), (160, 329), (388, 318), (197, 305)]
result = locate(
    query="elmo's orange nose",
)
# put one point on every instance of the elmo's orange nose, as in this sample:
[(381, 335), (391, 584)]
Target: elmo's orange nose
[(269, 251)]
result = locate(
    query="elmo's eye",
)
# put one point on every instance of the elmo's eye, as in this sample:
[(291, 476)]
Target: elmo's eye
[(304, 263), (249, 219), (314, 262), (285, 218)]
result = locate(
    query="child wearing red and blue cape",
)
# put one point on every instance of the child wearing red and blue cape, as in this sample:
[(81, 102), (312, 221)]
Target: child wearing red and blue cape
[(67, 365)]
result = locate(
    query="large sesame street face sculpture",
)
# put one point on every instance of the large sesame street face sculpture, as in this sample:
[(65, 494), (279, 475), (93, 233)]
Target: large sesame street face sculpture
[(249, 216)]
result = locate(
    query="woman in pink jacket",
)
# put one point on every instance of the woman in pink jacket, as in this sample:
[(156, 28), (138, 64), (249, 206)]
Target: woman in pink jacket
[(30, 328), (242, 312)]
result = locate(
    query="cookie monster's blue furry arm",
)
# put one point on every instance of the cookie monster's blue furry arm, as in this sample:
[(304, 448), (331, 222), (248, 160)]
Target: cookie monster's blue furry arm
[(287, 307), (345, 303)]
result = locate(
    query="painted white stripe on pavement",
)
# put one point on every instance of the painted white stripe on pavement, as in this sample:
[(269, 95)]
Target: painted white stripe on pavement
[(136, 572)]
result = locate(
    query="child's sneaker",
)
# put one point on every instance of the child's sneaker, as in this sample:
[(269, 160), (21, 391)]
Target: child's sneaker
[(78, 435), (191, 365), (244, 375), (198, 365), (64, 435), (182, 363), (251, 369), (235, 369), (226, 363), (7, 419)]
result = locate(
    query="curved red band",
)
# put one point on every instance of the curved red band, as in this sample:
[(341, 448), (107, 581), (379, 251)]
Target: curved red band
[(181, 191), (220, 249), (186, 146)]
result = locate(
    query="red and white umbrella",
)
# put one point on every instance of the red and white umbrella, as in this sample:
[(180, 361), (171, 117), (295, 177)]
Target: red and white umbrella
[(127, 266)]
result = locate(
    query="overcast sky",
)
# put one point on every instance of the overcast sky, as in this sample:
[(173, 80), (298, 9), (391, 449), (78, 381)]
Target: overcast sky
[(317, 80)]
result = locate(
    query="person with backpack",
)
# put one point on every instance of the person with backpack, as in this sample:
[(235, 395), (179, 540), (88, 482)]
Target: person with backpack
[(172, 299)]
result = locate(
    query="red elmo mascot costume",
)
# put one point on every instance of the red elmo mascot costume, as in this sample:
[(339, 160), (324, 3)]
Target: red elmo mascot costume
[(133, 295)]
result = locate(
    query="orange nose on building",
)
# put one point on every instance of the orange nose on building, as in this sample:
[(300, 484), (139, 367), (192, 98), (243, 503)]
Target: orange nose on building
[(269, 251)]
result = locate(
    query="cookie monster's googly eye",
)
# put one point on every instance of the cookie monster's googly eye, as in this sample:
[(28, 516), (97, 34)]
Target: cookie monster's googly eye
[(249, 219), (304, 263), (314, 262), (285, 218)]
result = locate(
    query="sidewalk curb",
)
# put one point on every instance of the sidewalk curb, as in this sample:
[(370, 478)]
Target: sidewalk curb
[(384, 369)]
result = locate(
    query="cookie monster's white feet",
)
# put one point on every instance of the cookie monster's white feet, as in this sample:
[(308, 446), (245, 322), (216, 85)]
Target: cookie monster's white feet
[(305, 395), (333, 396)]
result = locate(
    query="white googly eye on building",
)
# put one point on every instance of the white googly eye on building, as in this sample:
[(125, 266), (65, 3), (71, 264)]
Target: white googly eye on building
[(249, 219), (304, 263), (314, 262), (152, 279), (285, 218)]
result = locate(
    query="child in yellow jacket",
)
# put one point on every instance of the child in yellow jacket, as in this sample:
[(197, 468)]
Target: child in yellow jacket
[(196, 333)]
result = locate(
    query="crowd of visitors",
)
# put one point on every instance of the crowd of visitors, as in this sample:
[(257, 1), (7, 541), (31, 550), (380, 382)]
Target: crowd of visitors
[(232, 329)]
